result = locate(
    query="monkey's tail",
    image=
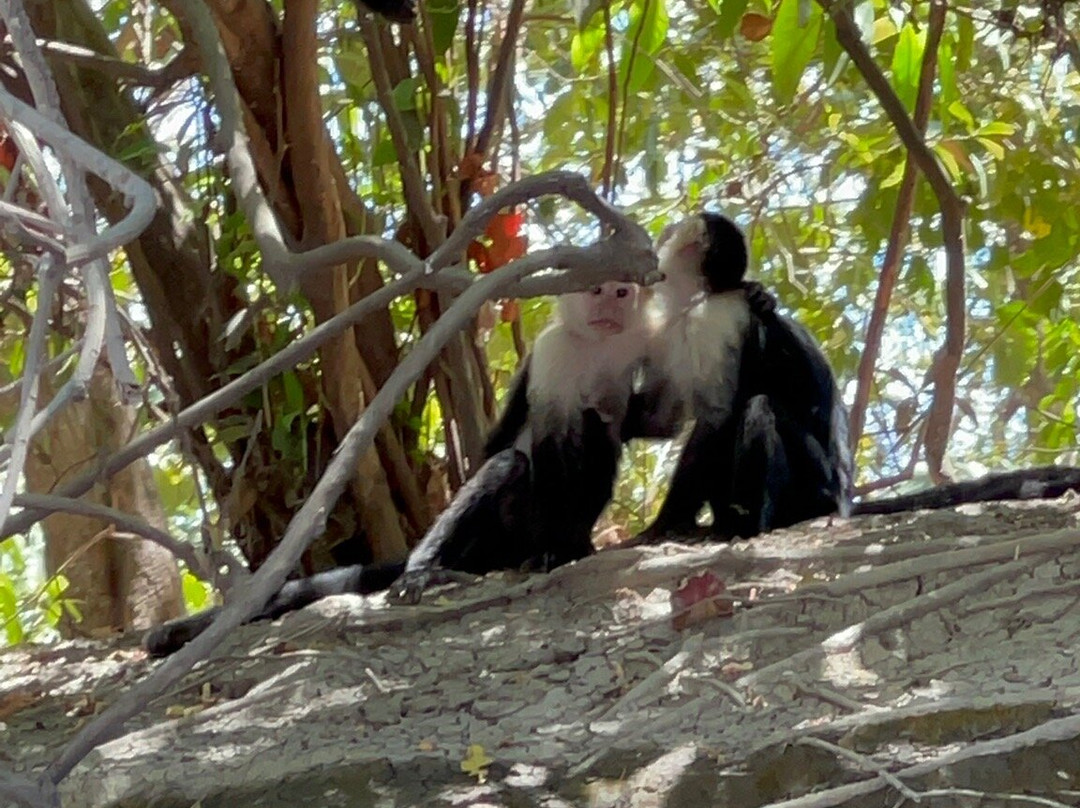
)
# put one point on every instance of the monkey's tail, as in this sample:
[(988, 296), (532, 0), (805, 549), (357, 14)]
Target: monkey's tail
[(1044, 482), (362, 579)]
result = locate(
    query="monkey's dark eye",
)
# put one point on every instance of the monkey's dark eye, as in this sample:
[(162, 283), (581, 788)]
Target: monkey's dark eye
[(597, 290), (622, 292)]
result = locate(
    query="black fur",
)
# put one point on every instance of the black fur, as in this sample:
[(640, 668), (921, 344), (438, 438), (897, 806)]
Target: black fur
[(169, 637), (726, 257)]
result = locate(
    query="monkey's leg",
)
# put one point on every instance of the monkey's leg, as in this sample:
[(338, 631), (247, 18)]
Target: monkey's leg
[(761, 475), (703, 467)]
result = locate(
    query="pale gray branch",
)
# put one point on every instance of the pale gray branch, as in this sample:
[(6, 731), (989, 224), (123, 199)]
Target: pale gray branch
[(202, 565), (135, 189)]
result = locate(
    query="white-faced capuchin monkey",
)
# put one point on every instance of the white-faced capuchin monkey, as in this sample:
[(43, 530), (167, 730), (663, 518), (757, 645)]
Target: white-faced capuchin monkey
[(550, 468), (562, 422), (769, 444), (768, 447)]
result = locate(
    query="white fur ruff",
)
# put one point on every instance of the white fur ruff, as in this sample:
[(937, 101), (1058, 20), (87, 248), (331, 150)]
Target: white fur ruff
[(703, 349), (569, 373)]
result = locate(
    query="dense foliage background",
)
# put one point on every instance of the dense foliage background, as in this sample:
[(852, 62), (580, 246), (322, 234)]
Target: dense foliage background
[(933, 182)]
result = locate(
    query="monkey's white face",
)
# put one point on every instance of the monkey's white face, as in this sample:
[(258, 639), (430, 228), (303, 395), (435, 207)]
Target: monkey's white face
[(679, 251), (604, 310)]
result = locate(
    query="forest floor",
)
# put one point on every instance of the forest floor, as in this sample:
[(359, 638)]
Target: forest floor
[(879, 661)]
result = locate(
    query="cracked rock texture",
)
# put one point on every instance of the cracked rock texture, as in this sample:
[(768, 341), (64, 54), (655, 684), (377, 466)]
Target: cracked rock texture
[(867, 662)]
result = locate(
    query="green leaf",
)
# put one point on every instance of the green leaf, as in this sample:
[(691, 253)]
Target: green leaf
[(834, 58), (1049, 298), (585, 45), (966, 45), (646, 34), (996, 128), (404, 94), (792, 48), (947, 76), (907, 60), (294, 393), (949, 161), (894, 177), (9, 602), (384, 153), (16, 358), (961, 113), (731, 12), (884, 28), (444, 16), (196, 593), (585, 10)]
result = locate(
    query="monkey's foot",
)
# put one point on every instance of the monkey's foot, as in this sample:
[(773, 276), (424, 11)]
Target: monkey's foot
[(687, 535)]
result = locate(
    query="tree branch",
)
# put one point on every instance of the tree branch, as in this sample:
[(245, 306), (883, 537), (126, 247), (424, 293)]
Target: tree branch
[(202, 565), (947, 359), (432, 226), (898, 239), (133, 187), (496, 100)]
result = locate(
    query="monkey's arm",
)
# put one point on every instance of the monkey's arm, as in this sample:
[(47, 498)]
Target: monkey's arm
[(484, 528), (656, 409), (514, 416)]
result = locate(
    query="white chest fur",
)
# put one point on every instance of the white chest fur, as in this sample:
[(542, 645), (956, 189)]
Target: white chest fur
[(703, 346), (569, 373)]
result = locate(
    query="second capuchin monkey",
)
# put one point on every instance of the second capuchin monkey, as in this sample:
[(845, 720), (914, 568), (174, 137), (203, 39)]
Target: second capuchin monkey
[(768, 446), (550, 467)]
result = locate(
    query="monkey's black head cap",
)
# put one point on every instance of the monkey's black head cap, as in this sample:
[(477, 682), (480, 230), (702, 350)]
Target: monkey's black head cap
[(726, 258)]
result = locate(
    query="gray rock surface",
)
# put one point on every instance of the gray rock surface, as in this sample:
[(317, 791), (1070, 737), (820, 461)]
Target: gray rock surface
[(926, 655)]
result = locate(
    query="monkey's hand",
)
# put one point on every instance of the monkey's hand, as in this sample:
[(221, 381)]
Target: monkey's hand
[(760, 299), (409, 588)]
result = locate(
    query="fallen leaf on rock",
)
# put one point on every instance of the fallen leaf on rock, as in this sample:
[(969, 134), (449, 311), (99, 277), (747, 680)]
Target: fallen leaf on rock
[(476, 762), (697, 598)]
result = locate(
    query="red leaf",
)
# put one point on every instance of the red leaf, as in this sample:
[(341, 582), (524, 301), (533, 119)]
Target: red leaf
[(478, 252), (699, 598), (8, 152), (471, 169), (503, 252), (503, 242), (755, 27)]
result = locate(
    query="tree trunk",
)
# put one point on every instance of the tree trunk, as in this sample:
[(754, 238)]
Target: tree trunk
[(118, 583)]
